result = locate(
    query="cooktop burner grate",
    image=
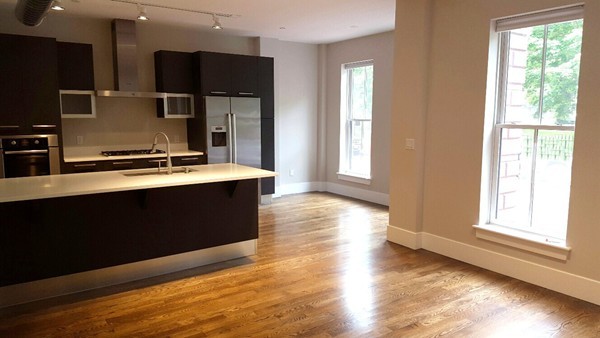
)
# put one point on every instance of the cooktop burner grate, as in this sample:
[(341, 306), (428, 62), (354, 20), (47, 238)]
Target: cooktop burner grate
[(131, 152)]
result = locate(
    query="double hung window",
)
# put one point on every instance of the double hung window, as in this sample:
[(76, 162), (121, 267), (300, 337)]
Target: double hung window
[(534, 125), (356, 114)]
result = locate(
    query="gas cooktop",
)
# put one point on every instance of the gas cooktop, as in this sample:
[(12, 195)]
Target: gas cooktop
[(131, 152)]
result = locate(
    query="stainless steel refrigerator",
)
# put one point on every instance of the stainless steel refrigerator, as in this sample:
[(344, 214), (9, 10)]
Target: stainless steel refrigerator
[(233, 130)]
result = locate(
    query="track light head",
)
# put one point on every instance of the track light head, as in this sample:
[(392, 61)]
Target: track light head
[(216, 24), (142, 13), (57, 6)]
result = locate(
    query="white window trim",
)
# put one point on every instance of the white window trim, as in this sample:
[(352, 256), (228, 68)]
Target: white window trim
[(516, 238), (512, 237), (344, 176), (344, 132)]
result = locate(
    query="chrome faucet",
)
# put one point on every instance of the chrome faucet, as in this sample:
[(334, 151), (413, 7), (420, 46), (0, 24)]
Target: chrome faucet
[(169, 164)]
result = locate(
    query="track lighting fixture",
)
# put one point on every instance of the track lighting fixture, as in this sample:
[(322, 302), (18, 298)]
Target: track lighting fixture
[(57, 5), (142, 13), (141, 6), (216, 24)]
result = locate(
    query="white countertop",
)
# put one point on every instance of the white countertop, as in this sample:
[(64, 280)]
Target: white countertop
[(38, 187)]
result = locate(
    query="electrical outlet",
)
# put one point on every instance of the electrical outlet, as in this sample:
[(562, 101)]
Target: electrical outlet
[(292, 172), (79, 140), (409, 144)]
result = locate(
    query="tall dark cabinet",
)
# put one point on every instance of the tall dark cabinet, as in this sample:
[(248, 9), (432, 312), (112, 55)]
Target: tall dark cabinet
[(28, 85), (266, 88)]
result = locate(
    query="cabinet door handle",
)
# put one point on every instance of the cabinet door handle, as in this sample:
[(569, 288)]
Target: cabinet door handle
[(122, 163), (189, 159), (86, 165), (246, 93), (43, 126), (216, 92), (156, 161), (10, 127)]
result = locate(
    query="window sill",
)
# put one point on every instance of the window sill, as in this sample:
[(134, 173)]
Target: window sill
[(354, 178), (523, 240)]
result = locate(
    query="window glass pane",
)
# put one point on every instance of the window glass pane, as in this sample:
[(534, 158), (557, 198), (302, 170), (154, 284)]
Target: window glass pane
[(360, 151), (514, 177), (561, 78), (361, 89), (552, 181), (523, 78)]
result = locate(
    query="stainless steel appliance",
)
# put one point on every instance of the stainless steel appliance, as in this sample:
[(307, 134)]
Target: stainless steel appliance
[(29, 155), (233, 130)]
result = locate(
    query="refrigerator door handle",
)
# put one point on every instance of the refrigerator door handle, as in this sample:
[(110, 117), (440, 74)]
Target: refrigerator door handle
[(230, 131), (234, 140)]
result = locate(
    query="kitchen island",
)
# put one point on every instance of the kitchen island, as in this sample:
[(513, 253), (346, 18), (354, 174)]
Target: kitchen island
[(67, 233)]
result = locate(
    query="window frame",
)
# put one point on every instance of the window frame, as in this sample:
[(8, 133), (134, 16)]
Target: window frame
[(346, 124), (487, 228)]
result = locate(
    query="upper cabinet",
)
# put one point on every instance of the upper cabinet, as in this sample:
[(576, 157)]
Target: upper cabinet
[(76, 80), (227, 74), (173, 72), (174, 76), (75, 66), (29, 85)]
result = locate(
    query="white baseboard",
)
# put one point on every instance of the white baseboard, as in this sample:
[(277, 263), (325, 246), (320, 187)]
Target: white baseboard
[(298, 188), (334, 188), (57, 286), (553, 279), (403, 237), (361, 194)]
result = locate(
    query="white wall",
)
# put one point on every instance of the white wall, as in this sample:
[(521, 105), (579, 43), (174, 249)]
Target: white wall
[(296, 113), (441, 67), (380, 49)]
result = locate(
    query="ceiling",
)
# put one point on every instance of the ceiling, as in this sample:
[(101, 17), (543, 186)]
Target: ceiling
[(309, 21)]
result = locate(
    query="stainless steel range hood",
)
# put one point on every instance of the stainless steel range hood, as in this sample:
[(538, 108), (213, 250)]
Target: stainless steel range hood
[(125, 63)]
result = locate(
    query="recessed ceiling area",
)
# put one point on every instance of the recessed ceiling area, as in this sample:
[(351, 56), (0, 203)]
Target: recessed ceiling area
[(313, 21)]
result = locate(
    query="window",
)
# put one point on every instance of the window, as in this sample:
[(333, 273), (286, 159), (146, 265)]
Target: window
[(356, 114), (534, 125)]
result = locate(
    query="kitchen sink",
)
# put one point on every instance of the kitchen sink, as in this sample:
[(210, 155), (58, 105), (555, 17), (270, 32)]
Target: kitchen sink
[(163, 171)]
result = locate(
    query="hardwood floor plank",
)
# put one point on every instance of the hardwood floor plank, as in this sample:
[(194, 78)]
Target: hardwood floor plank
[(323, 269)]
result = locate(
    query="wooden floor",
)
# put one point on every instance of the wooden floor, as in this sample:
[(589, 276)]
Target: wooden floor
[(323, 268)]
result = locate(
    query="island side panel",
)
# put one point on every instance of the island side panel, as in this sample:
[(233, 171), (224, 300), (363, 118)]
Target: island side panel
[(59, 236)]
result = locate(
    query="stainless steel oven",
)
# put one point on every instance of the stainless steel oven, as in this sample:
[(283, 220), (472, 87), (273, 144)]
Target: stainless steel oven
[(29, 155)]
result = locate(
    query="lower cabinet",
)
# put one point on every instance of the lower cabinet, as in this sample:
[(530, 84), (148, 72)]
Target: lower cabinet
[(59, 236), (138, 163), (83, 167)]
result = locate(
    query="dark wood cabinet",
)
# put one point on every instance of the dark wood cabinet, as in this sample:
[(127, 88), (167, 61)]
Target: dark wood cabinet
[(173, 72), (244, 75), (227, 74), (215, 73), (266, 87), (82, 167), (75, 66), (29, 85), (188, 160), (11, 82), (267, 149), (133, 163)]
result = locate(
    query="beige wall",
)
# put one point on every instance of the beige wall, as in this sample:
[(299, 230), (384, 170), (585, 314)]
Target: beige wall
[(296, 97), (379, 48), (451, 61)]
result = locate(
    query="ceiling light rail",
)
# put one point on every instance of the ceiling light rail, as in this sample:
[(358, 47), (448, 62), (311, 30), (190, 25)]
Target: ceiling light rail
[(142, 6)]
